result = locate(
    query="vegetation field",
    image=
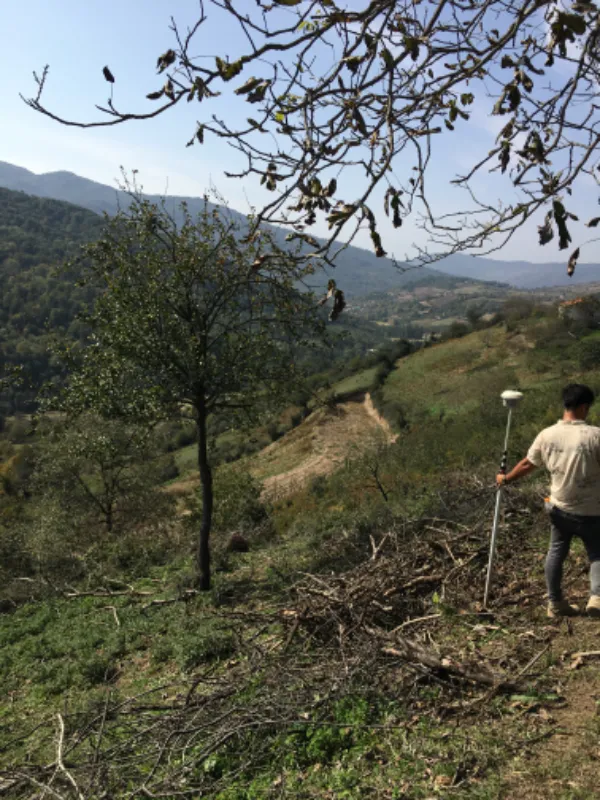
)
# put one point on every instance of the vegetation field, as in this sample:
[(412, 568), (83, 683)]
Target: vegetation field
[(346, 653)]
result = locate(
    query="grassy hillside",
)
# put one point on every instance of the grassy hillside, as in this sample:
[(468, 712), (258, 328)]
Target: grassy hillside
[(448, 383), (358, 270), (346, 654)]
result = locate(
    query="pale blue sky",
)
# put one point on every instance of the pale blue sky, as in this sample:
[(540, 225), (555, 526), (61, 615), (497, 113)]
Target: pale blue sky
[(77, 38)]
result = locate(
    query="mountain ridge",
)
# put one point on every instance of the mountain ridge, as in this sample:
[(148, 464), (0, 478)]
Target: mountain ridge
[(362, 271)]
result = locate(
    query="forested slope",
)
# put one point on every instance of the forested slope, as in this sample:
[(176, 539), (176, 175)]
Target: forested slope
[(39, 298), (37, 236)]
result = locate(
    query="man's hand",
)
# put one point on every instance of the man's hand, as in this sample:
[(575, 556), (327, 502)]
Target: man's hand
[(524, 467)]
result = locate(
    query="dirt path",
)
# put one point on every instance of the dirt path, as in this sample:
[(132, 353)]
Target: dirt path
[(381, 421), (565, 766), (319, 445)]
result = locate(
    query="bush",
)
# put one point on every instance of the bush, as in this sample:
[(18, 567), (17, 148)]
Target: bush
[(589, 353), (18, 430), (457, 330), (135, 552), (517, 308), (178, 434), (196, 646), (98, 669), (275, 431), (237, 501), (318, 486), (167, 469)]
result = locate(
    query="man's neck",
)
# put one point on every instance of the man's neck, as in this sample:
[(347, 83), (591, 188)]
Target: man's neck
[(573, 416)]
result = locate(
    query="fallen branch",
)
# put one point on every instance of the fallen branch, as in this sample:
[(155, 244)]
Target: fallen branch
[(578, 658), (416, 654), (187, 595), (115, 615), (418, 581), (59, 757), (415, 621), (22, 776), (533, 661), (107, 593)]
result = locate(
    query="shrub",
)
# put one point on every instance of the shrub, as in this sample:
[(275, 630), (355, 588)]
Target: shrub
[(167, 469), (275, 431), (98, 669), (237, 501), (18, 430), (589, 353), (177, 434), (457, 330), (517, 308), (318, 486)]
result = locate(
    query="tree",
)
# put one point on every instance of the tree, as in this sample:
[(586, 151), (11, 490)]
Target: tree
[(189, 317), (349, 102), (103, 473)]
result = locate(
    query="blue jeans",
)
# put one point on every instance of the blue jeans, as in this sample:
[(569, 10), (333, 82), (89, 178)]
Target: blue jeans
[(563, 528)]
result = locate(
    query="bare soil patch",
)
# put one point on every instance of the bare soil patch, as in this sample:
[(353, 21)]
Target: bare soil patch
[(319, 445)]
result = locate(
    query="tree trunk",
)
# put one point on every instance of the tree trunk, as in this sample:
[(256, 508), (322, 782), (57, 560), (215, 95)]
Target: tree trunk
[(203, 557)]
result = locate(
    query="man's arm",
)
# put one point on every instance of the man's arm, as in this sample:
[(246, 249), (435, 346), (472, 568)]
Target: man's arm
[(519, 471)]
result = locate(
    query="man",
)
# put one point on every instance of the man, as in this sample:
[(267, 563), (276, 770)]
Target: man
[(570, 451)]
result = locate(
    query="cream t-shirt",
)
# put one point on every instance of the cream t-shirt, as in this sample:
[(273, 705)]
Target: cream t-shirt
[(570, 451)]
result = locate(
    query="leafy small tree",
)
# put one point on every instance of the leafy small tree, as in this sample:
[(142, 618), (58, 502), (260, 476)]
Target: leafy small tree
[(102, 473), (190, 317)]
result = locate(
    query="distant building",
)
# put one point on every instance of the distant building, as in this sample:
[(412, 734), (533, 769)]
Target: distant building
[(582, 309)]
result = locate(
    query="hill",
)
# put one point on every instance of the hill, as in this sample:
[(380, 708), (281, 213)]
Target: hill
[(39, 300), (521, 274), (36, 236), (360, 270), (432, 306), (346, 654)]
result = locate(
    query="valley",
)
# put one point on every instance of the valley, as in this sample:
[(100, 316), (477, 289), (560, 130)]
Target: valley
[(299, 418)]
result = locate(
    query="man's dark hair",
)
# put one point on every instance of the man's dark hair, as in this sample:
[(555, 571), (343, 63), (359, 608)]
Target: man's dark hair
[(577, 394)]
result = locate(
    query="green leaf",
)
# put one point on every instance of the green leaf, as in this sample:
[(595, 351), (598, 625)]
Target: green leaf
[(572, 263), (359, 122), (545, 231), (388, 58), (166, 60), (228, 71), (514, 96), (574, 22), (593, 222), (353, 62), (250, 84)]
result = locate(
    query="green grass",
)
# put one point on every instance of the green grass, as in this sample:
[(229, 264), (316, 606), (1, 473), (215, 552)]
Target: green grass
[(361, 382), (187, 459)]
